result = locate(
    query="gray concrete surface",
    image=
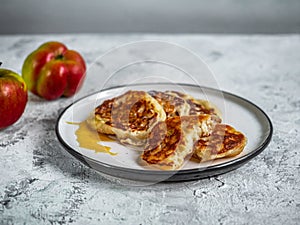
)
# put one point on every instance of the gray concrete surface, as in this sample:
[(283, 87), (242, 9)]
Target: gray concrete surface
[(168, 16), (41, 184)]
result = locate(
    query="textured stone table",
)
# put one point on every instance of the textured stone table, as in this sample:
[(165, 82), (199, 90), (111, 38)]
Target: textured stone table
[(42, 184)]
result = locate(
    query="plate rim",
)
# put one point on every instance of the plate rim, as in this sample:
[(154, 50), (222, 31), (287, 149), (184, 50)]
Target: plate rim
[(225, 166)]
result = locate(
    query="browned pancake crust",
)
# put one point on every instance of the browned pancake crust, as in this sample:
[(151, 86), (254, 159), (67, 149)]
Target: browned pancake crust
[(129, 116), (169, 103), (100, 119), (129, 111), (168, 144), (132, 111), (163, 140), (197, 106), (104, 110), (224, 141)]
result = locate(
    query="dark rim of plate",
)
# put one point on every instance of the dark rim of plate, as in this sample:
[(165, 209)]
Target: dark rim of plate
[(226, 166)]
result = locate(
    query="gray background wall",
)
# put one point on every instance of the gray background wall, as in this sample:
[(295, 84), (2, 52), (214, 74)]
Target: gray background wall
[(159, 16)]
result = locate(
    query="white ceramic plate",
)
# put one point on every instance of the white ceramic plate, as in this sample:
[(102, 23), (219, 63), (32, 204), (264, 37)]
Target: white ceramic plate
[(236, 111)]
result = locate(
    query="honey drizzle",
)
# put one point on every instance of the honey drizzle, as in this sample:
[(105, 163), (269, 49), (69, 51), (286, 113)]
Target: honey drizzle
[(89, 139)]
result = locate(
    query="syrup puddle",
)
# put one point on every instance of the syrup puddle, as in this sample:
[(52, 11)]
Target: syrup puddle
[(89, 139)]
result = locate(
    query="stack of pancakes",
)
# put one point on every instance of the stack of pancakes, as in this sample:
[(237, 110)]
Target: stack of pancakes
[(170, 127)]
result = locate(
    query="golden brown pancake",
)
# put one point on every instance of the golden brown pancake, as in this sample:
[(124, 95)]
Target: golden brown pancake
[(129, 116), (196, 106), (100, 118), (224, 141), (170, 142), (172, 105)]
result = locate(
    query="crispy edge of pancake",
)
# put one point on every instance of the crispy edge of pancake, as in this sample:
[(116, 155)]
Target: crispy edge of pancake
[(225, 141), (138, 137), (173, 157), (98, 123)]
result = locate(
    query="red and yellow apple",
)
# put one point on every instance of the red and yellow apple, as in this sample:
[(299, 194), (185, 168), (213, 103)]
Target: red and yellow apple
[(13, 97), (52, 71)]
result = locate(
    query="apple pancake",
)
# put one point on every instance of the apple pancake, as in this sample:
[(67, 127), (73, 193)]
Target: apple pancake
[(171, 142), (100, 118), (129, 116), (224, 141), (172, 105), (196, 106)]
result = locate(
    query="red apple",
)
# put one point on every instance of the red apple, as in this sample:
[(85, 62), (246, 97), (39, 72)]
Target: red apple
[(53, 71), (13, 97)]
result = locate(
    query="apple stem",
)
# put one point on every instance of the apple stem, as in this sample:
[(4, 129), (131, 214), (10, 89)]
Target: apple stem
[(59, 56)]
